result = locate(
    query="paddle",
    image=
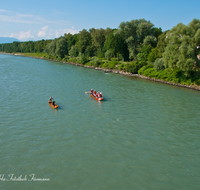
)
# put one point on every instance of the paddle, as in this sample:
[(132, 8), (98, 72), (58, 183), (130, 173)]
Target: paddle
[(87, 92)]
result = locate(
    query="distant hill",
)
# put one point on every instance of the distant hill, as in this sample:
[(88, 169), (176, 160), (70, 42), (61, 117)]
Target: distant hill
[(7, 40)]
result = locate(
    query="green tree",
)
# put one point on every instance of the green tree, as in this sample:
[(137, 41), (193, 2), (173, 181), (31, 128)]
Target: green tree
[(71, 40), (157, 32), (116, 45), (181, 50), (153, 55), (61, 47), (84, 40), (144, 53), (98, 38), (108, 55), (134, 32), (162, 43), (73, 51), (82, 59), (150, 40), (51, 47), (159, 64)]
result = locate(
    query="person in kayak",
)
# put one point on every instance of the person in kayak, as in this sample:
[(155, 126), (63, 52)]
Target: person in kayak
[(51, 99)]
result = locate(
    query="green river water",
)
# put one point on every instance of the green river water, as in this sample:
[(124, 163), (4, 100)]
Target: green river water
[(143, 136)]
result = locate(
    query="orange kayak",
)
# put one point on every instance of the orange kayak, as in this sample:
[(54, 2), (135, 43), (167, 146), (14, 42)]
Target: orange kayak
[(99, 99), (51, 104)]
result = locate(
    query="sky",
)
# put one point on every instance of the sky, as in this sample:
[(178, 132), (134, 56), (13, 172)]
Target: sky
[(49, 19)]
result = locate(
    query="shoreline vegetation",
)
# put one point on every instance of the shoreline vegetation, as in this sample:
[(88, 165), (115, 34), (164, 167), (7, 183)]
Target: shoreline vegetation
[(136, 48), (116, 71)]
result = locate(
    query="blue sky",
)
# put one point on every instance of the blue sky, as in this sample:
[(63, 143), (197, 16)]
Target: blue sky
[(36, 20)]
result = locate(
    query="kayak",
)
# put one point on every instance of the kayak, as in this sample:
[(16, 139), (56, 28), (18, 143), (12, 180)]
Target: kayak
[(100, 99), (51, 104)]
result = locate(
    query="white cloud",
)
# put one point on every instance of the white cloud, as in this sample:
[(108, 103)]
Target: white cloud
[(52, 28), (16, 19), (11, 16), (61, 32), (50, 33), (43, 31), (5, 11), (23, 36)]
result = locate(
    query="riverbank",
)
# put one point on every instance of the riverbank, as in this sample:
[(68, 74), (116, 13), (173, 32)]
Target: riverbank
[(194, 87)]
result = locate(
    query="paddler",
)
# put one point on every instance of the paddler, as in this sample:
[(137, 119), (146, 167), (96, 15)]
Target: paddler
[(94, 94), (91, 91), (100, 94), (51, 99)]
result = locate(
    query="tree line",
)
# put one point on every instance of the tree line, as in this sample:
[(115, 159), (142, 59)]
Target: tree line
[(136, 46)]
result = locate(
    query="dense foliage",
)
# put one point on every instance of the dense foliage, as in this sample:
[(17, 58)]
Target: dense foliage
[(136, 46)]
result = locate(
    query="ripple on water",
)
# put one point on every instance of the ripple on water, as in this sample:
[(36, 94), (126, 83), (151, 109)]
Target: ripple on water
[(145, 135)]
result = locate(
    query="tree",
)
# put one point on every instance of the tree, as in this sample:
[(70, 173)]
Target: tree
[(134, 32), (51, 47), (61, 47), (116, 45), (145, 51), (153, 55), (150, 40), (181, 50), (71, 40), (162, 43), (84, 40), (108, 55), (73, 51), (159, 64), (98, 39), (157, 32)]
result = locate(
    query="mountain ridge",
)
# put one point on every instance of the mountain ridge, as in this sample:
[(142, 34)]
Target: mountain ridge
[(8, 40)]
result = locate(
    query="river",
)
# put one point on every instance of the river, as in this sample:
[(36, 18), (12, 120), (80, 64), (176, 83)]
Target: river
[(144, 135)]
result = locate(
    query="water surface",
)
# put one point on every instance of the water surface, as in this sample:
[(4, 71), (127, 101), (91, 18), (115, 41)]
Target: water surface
[(145, 135)]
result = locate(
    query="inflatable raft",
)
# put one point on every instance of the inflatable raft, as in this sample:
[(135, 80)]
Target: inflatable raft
[(99, 99)]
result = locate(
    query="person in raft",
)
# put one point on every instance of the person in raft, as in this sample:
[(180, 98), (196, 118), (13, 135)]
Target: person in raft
[(91, 91), (94, 94), (50, 99), (100, 95)]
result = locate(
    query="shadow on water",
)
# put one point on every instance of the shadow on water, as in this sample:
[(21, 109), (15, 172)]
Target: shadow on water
[(105, 99), (60, 108)]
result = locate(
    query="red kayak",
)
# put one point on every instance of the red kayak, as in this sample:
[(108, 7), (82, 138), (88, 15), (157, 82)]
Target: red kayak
[(99, 99)]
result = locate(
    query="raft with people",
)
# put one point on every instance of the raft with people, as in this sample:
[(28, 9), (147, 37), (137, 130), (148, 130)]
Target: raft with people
[(97, 95)]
